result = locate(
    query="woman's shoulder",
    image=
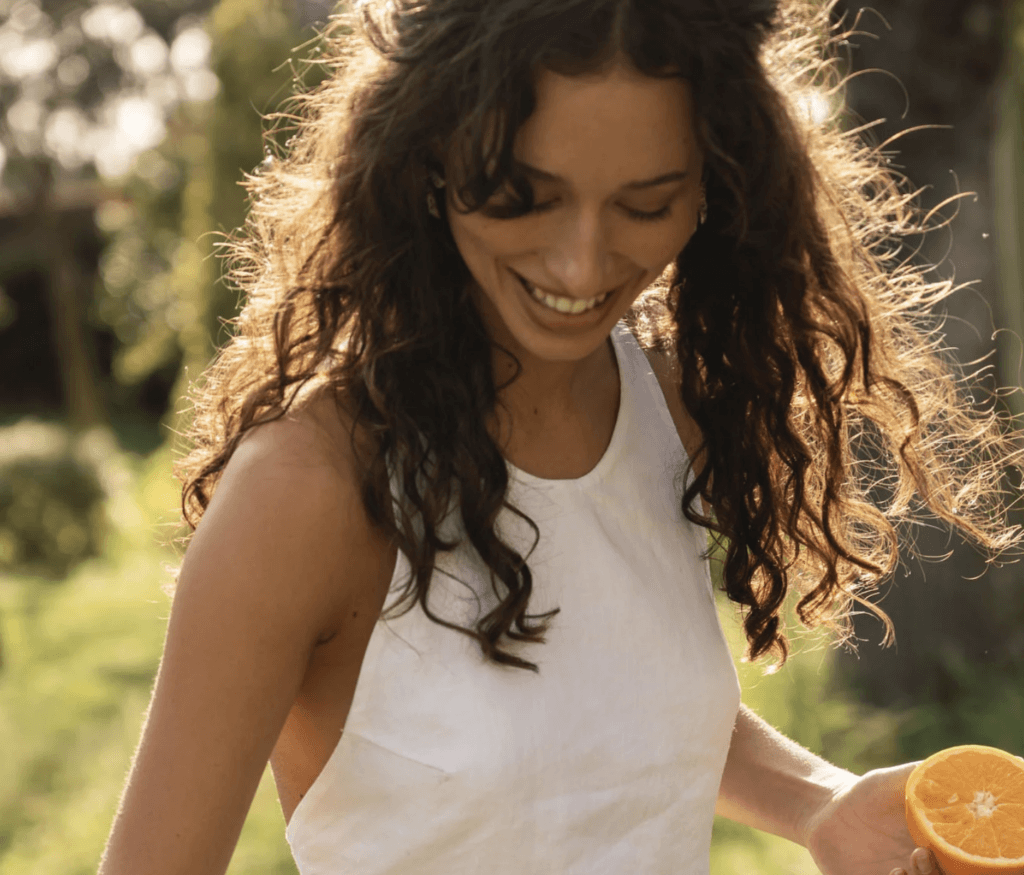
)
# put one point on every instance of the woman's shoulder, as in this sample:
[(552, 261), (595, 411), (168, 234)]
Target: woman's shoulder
[(313, 431), (305, 464), (293, 487), (314, 443)]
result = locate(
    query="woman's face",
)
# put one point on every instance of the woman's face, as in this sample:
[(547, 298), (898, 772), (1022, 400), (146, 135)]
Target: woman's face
[(596, 144)]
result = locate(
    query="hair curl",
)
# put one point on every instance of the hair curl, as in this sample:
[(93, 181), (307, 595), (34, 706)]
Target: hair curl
[(793, 310)]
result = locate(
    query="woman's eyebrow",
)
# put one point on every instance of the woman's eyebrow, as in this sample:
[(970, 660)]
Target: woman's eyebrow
[(665, 178)]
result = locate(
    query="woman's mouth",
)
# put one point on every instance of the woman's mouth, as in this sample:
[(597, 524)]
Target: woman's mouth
[(565, 306)]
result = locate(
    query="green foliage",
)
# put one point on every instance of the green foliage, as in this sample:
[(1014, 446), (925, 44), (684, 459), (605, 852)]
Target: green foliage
[(982, 707), (251, 38), (51, 501), (78, 667), (253, 41), (160, 287), (131, 295)]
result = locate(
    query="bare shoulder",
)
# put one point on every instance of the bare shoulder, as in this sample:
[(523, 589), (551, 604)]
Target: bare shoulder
[(311, 438), (298, 480)]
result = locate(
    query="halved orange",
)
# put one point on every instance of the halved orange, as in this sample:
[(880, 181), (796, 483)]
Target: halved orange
[(966, 804)]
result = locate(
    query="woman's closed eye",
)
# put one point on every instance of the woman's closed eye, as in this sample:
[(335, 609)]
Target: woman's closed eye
[(518, 210)]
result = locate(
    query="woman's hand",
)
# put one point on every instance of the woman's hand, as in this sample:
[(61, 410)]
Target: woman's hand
[(863, 829)]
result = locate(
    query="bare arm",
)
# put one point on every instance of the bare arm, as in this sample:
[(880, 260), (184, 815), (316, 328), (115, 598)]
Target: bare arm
[(279, 552), (773, 784)]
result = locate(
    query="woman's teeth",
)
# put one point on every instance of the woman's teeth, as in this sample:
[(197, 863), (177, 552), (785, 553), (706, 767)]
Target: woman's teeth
[(563, 305)]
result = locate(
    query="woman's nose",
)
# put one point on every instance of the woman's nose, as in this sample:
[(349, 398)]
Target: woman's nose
[(578, 257)]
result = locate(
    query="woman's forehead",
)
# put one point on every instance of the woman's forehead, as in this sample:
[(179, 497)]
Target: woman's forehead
[(621, 108), (617, 117)]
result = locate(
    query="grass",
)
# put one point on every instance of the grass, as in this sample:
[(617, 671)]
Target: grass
[(80, 658)]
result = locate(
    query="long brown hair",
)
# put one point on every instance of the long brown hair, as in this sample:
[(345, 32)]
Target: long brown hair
[(828, 416)]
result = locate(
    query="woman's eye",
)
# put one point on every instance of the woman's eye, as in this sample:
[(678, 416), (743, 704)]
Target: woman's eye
[(649, 217), (639, 215)]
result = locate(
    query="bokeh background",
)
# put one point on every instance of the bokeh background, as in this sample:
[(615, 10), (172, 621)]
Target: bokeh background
[(125, 129)]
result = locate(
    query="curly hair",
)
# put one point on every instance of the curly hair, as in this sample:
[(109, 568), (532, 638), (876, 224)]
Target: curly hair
[(794, 309)]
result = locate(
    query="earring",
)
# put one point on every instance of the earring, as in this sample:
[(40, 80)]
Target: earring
[(702, 210), (439, 183)]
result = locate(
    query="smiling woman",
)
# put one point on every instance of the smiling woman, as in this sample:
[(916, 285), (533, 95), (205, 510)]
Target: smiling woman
[(541, 293), (551, 279)]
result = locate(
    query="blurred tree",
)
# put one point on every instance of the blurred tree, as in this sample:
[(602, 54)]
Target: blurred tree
[(252, 42), (948, 58), (109, 108), (84, 89), (44, 256)]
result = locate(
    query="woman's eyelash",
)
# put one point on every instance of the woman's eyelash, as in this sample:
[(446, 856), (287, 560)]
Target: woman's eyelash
[(639, 215), (649, 217)]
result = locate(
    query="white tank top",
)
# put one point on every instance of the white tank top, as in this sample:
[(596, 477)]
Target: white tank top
[(607, 762)]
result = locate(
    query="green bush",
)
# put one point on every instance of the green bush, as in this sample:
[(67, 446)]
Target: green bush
[(51, 500)]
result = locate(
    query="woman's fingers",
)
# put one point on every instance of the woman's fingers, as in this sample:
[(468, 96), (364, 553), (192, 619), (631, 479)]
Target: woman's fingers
[(923, 862)]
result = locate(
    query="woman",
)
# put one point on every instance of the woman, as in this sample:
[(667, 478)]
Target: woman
[(543, 292)]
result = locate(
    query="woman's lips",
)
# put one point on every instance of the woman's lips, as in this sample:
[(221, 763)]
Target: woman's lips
[(601, 299)]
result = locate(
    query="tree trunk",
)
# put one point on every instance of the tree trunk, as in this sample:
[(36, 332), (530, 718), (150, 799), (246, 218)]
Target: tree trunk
[(1008, 178), (67, 303)]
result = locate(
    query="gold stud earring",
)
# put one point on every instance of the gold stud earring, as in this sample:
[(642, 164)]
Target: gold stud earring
[(702, 210)]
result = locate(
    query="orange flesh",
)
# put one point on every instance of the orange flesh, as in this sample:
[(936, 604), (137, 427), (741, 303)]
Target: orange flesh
[(974, 801)]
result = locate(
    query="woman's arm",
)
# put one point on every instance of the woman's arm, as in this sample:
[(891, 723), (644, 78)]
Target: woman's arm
[(280, 551), (773, 784)]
